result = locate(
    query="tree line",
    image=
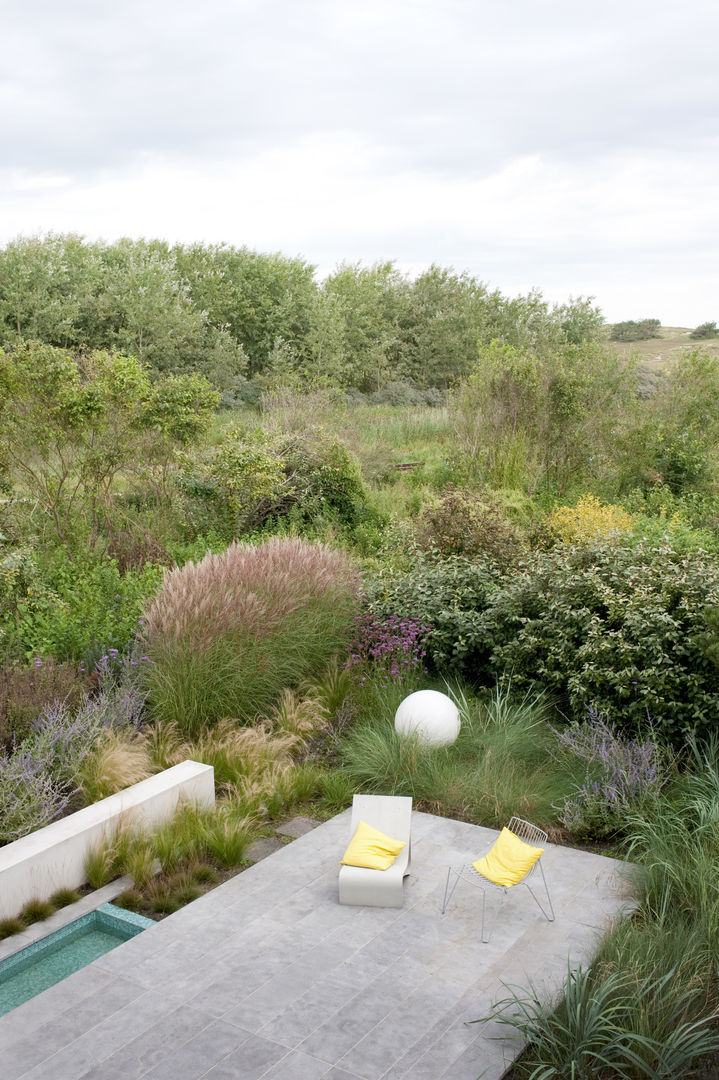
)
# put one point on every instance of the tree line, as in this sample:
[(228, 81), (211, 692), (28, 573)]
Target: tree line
[(238, 316)]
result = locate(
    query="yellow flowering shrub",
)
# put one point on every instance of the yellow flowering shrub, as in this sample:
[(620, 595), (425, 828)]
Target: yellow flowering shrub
[(589, 520)]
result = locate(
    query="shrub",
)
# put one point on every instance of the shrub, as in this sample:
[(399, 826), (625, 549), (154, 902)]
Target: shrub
[(227, 634), (704, 331), (26, 688), (391, 649), (81, 611), (451, 597), (621, 775), (461, 522), (588, 520), (613, 626), (630, 330), (259, 478)]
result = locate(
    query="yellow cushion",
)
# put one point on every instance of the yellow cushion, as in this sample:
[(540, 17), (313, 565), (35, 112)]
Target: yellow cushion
[(371, 848), (509, 859)]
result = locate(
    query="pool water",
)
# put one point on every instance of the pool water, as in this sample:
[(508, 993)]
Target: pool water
[(58, 955)]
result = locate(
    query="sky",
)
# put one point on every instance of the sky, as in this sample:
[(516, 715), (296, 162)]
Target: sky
[(563, 146)]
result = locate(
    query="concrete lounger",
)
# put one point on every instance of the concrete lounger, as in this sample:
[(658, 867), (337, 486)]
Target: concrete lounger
[(392, 814)]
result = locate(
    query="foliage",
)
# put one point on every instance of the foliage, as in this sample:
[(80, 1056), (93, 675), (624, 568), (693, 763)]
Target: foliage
[(75, 611), (594, 1030), (256, 479), (40, 775), (227, 634), (588, 520), (116, 760), (451, 597), (26, 688), (391, 649), (671, 440), (526, 418), (635, 331), (471, 524), (73, 425), (613, 626), (704, 331), (621, 775)]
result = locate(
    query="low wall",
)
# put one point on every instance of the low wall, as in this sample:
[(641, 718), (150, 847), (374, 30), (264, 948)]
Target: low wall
[(53, 858)]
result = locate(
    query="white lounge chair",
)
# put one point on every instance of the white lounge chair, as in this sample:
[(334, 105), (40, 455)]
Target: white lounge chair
[(391, 814)]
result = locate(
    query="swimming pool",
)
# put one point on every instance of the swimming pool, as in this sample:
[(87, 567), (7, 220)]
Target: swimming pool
[(48, 961)]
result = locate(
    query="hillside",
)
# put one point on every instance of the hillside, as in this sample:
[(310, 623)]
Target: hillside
[(659, 352)]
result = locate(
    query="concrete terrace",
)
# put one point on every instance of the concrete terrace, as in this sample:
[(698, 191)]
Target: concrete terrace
[(268, 978)]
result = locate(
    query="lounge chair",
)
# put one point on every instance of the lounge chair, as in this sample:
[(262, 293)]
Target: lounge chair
[(391, 814)]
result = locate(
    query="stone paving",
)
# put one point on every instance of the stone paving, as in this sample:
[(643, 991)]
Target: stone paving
[(267, 977)]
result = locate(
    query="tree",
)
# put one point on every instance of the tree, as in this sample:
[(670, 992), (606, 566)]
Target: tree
[(70, 425)]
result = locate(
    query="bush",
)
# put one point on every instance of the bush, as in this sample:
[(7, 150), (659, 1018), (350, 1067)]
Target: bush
[(451, 597), (26, 688), (635, 331), (461, 522), (256, 479), (227, 634), (621, 776), (588, 520), (704, 331), (613, 626), (80, 610), (391, 649)]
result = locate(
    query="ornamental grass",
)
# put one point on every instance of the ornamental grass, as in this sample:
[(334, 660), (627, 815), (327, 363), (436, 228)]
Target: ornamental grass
[(227, 634)]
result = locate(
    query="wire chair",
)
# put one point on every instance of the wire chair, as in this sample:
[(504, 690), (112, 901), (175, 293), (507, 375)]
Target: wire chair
[(530, 834)]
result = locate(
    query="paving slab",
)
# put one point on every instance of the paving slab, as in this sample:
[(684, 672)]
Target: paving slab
[(260, 849), (268, 977), (297, 826)]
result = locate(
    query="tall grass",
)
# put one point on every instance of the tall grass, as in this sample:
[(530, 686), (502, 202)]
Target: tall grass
[(227, 634), (498, 766)]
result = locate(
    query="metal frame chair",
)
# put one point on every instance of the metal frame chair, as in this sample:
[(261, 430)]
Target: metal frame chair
[(530, 834)]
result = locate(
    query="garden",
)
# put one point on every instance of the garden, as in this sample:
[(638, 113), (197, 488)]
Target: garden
[(252, 565)]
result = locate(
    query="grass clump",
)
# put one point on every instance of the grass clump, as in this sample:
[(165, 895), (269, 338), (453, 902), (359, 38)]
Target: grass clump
[(228, 634), (498, 766)]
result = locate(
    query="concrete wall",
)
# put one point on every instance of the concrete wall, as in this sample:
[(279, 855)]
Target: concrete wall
[(53, 858)]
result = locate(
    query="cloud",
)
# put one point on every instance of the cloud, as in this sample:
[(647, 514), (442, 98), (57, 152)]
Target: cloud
[(571, 148)]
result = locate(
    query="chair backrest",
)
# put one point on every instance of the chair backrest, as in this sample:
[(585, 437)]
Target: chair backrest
[(391, 814), (531, 834)]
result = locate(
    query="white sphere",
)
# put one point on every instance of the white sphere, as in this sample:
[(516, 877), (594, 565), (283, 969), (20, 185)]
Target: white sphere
[(431, 716)]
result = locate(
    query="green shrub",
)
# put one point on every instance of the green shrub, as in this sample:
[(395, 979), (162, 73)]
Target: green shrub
[(450, 597), (462, 522), (613, 626), (704, 331), (81, 610), (227, 634)]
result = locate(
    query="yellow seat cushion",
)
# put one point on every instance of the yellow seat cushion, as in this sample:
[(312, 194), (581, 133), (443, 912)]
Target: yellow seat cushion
[(509, 860), (371, 848)]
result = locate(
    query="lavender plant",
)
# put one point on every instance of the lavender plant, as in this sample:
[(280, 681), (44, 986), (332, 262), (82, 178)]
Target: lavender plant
[(38, 778), (621, 774), (30, 796), (391, 648)]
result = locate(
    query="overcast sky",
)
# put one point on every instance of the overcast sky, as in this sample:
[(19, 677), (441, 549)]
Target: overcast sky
[(564, 145)]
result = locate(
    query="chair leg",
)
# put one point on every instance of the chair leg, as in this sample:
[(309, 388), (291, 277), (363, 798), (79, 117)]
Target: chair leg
[(446, 889), (549, 917), (485, 940)]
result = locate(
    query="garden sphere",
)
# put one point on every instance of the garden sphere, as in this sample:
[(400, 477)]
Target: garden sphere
[(431, 716)]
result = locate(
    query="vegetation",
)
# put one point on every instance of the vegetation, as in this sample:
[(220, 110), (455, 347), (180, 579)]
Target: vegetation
[(244, 512)]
